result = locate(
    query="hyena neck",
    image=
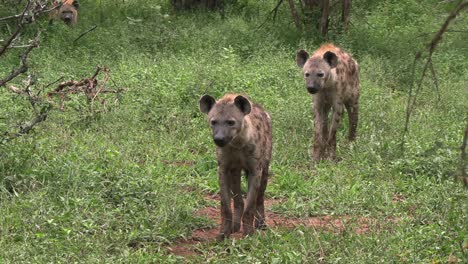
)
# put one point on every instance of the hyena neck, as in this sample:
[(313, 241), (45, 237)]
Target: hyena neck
[(332, 79)]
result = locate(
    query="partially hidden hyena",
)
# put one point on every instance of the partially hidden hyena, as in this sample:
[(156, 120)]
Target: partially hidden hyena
[(332, 76), (242, 134), (67, 12)]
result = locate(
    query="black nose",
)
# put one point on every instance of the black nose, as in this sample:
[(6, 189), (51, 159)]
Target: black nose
[(312, 89), (220, 142), (67, 19)]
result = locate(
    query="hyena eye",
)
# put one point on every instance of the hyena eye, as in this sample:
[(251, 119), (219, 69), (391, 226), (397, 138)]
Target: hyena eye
[(307, 74), (320, 74), (230, 122), (214, 122)]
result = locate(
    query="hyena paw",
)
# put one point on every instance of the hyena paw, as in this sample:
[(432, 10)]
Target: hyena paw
[(260, 224), (221, 236)]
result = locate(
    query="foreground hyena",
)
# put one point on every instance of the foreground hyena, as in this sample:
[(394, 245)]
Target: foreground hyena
[(332, 75), (67, 12), (242, 134)]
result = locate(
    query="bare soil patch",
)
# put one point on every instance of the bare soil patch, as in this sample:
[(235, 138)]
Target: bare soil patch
[(336, 224)]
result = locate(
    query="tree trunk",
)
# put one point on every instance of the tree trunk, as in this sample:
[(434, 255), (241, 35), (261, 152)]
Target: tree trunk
[(295, 15), (345, 13), (324, 18)]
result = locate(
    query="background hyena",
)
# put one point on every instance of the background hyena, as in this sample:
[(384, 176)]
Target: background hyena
[(68, 12), (242, 134), (332, 75)]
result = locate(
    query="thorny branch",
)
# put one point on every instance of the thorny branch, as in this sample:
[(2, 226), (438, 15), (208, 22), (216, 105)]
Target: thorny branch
[(428, 64)]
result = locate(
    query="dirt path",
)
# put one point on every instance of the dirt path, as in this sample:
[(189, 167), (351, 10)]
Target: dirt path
[(336, 224)]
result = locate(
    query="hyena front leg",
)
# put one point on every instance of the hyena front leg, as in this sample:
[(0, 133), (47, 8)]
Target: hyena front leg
[(226, 213), (320, 131), (251, 201), (238, 201), (331, 144)]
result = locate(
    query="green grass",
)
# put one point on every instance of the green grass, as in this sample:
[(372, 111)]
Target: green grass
[(123, 184)]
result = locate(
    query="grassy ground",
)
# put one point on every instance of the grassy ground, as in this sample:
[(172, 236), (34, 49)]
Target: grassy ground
[(86, 186)]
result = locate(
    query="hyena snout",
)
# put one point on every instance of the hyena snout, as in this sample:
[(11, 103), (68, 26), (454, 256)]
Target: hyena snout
[(220, 141), (313, 89), (67, 18)]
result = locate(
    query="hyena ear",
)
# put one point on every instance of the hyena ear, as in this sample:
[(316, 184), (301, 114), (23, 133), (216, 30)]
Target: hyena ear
[(76, 4), (206, 103), (331, 59), (243, 104), (301, 57)]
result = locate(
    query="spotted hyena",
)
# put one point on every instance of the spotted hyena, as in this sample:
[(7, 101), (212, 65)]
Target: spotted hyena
[(332, 76), (67, 12), (242, 134)]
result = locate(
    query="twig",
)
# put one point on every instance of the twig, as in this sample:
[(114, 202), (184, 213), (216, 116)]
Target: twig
[(24, 65), (26, 127), (274, 12), (434, 77), (54, 82), (84, 33), (18, 30)]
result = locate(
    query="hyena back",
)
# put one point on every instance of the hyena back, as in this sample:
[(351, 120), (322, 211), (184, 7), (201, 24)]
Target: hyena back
[(243, 136), (332, 75)]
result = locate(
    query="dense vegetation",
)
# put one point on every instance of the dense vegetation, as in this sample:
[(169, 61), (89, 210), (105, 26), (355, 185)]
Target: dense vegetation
[(88, 183)]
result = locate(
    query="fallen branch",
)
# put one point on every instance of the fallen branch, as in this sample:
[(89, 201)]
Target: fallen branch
[(91, 87)]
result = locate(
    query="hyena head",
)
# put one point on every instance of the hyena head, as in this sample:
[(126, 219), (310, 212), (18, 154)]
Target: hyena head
[(317, 70), (226, 117), (68, 11)]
